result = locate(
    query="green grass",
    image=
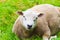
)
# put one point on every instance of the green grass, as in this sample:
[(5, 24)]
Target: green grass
[(8, 15)]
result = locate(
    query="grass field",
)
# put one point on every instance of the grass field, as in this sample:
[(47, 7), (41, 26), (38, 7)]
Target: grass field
[(8, 15)]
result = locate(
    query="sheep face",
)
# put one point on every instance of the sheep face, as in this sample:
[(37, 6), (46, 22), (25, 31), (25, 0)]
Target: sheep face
[(29, 19)]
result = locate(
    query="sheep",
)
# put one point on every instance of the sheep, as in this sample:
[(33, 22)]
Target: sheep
[(42, 20)]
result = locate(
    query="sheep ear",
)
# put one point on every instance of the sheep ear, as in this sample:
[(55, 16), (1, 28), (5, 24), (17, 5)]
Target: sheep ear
[(20, 12), (41, 14)]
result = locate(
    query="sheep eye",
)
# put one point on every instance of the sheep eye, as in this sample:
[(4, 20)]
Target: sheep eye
[(35, 19), (24, 17)]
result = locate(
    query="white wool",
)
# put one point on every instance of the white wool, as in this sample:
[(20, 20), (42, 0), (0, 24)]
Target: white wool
[(30, 16)]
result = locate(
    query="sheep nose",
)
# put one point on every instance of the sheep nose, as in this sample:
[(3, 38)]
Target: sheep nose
[(29, 26)]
